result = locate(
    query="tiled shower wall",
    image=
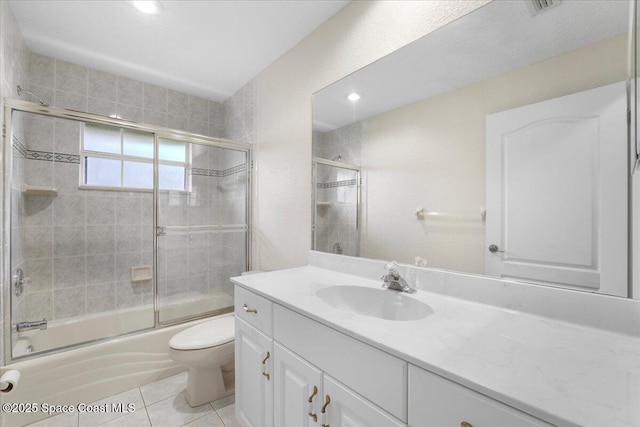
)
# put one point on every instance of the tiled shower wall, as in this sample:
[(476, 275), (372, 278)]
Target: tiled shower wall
[(13, 72), (81, 244), (66, 85), (240, 114), (336, 190), (240, 125), (56, 288)]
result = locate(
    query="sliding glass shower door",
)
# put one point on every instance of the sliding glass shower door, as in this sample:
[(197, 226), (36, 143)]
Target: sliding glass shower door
[(202, 227), (115, 227)]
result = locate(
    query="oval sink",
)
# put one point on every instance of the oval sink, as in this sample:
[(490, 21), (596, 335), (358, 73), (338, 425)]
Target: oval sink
[(380, 303)]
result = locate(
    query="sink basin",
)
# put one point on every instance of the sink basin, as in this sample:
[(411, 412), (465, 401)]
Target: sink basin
[(381, 303)]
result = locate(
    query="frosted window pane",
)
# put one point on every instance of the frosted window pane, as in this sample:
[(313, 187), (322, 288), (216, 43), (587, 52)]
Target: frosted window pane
[(138, 144), (172, 150), (102, 172), (102, 138), (171, 178), (137, 175)]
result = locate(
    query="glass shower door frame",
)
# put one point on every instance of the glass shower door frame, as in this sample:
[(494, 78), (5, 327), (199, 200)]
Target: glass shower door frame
[(11, 106)]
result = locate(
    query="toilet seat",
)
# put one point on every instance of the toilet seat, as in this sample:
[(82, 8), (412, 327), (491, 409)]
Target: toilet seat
[(212, 333)]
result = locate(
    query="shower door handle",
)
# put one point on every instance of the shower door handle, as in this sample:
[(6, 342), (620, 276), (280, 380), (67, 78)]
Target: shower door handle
[(161, 231)]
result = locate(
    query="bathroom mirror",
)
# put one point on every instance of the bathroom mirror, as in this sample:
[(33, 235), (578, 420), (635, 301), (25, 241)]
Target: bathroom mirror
[(496, 145)]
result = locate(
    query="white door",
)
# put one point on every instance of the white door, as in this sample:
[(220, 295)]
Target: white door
[(254, 381), (344, 408), (557, 192), (295, 383)]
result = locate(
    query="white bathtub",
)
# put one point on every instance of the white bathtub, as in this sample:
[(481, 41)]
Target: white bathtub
[(68, 332), (93, 372)]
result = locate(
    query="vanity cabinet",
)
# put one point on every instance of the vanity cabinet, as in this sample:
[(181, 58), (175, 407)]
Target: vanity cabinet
[(287, 371)]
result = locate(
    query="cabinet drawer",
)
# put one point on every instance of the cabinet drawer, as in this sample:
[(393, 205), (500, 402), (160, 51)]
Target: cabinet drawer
[(254, 309), (435, 401), (370, 372)]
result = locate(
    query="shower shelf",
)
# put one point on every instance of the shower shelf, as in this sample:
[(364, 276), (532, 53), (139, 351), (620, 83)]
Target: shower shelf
[(38, 190)]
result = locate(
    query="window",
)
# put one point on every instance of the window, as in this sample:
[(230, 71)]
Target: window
[(122, 158)]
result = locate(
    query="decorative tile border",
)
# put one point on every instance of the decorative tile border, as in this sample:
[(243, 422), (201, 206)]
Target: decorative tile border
[(53, 157), (46, 156), (335, 184), (205, 172), (234, 170), (219, 173), (20, 148)]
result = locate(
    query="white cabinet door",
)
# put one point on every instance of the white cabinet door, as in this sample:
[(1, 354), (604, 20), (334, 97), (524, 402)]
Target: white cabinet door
[(557, 191), (254, 380), (295, 382), (346, 409)]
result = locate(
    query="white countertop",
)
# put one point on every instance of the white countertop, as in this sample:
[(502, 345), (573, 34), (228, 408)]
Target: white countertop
[(563, 373)]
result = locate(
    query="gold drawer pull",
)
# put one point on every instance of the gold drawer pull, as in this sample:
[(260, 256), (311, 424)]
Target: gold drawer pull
[(465, 424), (264, 366), (324, 410), (246, 308), (310, 405)]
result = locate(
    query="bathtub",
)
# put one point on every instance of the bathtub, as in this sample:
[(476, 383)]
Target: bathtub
[(68, 332), (93, 372)]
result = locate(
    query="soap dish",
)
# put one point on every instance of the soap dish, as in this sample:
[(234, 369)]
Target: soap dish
[(141, 273)]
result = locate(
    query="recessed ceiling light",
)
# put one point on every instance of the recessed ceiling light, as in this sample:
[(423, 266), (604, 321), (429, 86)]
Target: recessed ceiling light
[(353, 96), (150, 7)]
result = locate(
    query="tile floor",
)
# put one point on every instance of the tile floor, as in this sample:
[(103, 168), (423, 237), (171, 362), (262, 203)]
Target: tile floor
[(158, 404)]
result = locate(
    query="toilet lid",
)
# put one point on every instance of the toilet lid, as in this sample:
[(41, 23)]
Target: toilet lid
[(207, 334)]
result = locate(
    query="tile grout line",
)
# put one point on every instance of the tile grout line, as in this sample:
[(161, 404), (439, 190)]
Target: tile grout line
[(144, 403)]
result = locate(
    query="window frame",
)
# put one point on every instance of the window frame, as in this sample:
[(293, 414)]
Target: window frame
[(84, 153)]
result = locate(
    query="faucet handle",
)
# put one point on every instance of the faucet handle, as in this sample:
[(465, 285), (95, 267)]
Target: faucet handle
[(391, 267)]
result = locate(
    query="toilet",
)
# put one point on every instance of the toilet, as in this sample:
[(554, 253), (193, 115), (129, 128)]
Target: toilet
[(207, 350)]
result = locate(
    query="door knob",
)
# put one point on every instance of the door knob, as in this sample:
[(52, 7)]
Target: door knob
[(494, 248)]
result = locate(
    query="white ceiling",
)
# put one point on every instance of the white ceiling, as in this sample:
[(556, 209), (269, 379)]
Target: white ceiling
[(205, 48), (496, 38)]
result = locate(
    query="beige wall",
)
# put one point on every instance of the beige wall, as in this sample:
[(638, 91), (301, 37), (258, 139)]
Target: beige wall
[(431, 154), (357, 35)]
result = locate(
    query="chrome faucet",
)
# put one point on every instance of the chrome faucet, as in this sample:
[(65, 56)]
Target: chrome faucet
[(392, 279), (27, 326)]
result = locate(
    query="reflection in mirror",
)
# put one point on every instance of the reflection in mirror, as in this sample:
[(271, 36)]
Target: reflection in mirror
[(496, 145), (336, 204)]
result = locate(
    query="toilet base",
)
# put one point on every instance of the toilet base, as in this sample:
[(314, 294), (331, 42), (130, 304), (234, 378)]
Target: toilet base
[(206, 385)]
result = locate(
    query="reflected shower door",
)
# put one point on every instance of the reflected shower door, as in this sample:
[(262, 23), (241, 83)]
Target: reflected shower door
[(336, 206), (201, 227)]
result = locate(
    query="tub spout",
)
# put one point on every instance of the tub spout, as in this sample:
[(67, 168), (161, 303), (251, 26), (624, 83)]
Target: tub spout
[(26, 326)]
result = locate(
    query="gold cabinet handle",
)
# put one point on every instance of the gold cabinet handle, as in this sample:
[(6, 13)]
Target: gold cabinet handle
[(246, 308), (264, 366), (465, 424), (324, 410), (310, 405)]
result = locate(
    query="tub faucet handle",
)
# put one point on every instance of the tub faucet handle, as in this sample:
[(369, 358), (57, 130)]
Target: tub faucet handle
[(29, 325)]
